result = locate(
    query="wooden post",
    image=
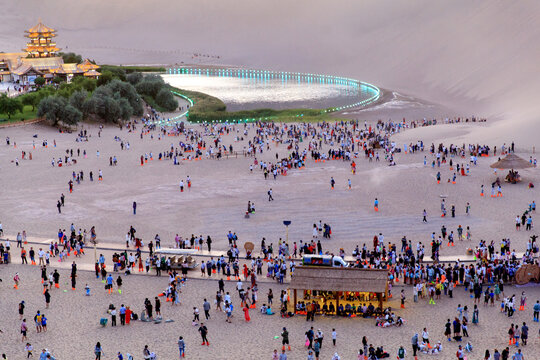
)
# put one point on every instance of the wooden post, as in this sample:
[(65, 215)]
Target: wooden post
[(294, 297), (379, 297)]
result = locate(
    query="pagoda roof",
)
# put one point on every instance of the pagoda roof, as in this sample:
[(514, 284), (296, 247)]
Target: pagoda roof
[(92, 73), (87, 65), (44, 63), (66, 69), (25, 69), (40, 28)]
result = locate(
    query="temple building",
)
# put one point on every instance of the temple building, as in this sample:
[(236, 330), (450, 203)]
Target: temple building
[(41, 44), (41, 59)]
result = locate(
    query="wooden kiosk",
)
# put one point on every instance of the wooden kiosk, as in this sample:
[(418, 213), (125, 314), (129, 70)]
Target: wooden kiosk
[(339, 281)]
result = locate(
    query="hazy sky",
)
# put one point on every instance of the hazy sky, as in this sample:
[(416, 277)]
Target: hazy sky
[(478, 56)]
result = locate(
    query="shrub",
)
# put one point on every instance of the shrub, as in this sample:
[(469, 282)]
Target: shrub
[(70, 58), (31, 99), (10, 106), (39, 81), (166, 100), (78, 98), (134, 78), (56, 109), (150, 85)]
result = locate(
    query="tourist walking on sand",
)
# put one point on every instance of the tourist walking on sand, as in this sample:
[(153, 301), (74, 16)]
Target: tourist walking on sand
[(246, 312), (16, 280), (414, 343), (98, 351), (181, 346), (21, 310), (203, 330), (47, 298), (24, 330)]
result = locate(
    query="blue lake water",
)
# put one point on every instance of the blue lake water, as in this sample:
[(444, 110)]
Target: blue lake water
[(251, 89)]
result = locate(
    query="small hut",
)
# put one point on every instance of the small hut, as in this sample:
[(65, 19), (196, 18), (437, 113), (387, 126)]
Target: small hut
[(512, 162), (322, 284)]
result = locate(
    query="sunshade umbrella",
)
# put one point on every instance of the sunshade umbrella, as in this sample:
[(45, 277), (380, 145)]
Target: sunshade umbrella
[(511, 161)]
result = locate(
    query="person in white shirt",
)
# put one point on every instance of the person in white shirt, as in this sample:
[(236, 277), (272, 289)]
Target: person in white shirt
[(41, 254)]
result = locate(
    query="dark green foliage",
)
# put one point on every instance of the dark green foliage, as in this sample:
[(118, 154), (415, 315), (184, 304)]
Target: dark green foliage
[(166, 100), (39, 81), (150, 85), (134, 78), (71, 58), (56, 109), (32, 99), (57, 80), (10, 106), (78, 98)]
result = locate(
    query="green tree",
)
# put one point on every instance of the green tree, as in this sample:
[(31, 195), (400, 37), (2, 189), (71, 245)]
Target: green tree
[(51, 108), (121, 89), (150, 85), (31, 99), (57, 80), (106, 76), (78, 98), (39, 81), (10, 106), (166, 100), (56, 109), (70, 58), (134, 78), (125, 109), (70, 115)]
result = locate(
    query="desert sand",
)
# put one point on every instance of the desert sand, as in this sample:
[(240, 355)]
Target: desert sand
[(438, 59), (215, 205)]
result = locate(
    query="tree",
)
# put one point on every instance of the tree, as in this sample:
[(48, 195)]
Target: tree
[(57, 80), (39, 81), (51, 108), (70, 58), (31, 99), (166, 100), (122, 89), (78, 98), (134, 78), (56, 109), (106, 76), (10, 106), (70, 115), (150, 85), (125, 109)]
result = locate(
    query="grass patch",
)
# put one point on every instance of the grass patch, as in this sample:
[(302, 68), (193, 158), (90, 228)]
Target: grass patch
[(27, 114), (208, 108), (202, 103)]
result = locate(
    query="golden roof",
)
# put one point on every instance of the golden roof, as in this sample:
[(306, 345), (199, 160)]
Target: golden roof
[(92, 73), (40, 28), (44, 63), (86, 65), (67, 69), (24, 69)]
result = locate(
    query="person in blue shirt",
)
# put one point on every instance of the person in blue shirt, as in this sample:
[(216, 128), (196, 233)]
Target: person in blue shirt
[(536, 311), (181, 346)]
